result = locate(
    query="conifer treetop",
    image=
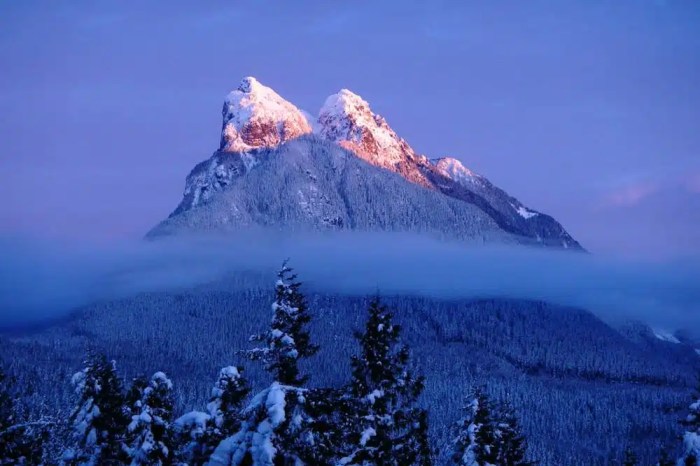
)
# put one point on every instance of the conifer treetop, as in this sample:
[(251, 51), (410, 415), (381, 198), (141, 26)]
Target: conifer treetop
[(99, 419), (287, 340), (149, 439), (382, 396)]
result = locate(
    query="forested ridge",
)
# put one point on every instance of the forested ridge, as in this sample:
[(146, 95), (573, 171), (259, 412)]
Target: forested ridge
[(452, 358)]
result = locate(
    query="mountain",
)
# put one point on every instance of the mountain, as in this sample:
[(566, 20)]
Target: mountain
[(264, 152)]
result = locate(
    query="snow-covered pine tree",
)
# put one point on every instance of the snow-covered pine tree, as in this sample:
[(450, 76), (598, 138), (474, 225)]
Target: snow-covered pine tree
[(99, 419), (325, 422), (132, 400), (227, 396), (691, 437), (421, 439), (201, 432), (287, 341), (511, 445), (384, 427), (276, 427), (476, 443), (149, 438), (193, 433), (274, 431)]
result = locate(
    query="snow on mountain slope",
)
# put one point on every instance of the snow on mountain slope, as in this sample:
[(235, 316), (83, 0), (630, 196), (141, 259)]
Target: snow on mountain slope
[(212, 176), (512, 215), (256, 116), (453, 168), (665, 335), (256, 119), (348, 120), (313, 184)]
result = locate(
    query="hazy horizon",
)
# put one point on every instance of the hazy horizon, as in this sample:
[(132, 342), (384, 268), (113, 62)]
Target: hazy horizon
[(42, 281)]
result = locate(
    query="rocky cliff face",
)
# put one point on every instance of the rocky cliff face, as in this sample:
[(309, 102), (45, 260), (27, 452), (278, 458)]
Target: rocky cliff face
[(255, 116), (347, 120)]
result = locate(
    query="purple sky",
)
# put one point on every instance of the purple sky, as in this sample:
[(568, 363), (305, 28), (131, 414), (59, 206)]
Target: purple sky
[(588, 110)]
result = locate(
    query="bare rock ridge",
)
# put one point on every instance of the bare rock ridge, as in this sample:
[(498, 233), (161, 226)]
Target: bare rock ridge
[(257, 121)]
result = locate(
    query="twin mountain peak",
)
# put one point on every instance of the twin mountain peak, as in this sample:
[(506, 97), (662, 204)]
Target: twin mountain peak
[(278, 167)]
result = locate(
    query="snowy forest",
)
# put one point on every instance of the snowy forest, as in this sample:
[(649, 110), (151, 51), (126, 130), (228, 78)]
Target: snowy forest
[(373, 418)]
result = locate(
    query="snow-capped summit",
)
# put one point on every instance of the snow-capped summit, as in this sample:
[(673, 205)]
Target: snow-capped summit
[(249, 83), (255, 116), (347, 119)]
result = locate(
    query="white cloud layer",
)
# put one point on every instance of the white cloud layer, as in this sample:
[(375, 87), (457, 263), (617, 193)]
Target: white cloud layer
[(42, 281)]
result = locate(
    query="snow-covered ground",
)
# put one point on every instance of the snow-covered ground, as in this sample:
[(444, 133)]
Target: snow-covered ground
[(665, 335)]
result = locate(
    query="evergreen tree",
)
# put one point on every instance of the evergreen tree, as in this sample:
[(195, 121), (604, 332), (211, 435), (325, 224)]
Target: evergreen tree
[(630, 458), (275, 431), (277, 426), (132, 400), (424, 454), (325, 423), (99, 420), (476, 443), (194, 434), (149, 438), (384, 426), (287, 341), (691, 437), (226, 399), (511, 445), (201, 432)]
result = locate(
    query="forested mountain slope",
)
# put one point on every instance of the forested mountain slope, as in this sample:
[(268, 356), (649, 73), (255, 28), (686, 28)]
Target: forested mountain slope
[(312, 184), (581, 388)]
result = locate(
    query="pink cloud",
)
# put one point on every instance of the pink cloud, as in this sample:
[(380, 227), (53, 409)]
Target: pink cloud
[(630, 195)]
